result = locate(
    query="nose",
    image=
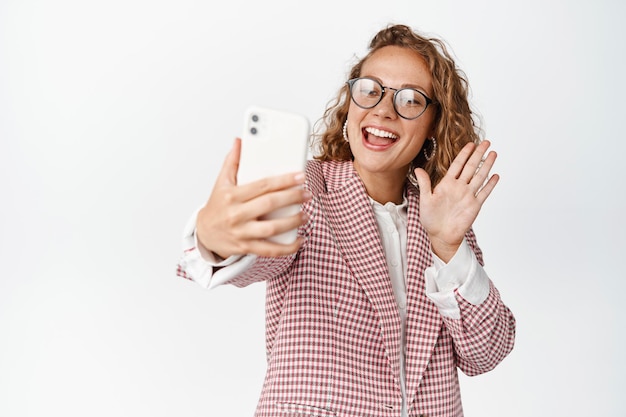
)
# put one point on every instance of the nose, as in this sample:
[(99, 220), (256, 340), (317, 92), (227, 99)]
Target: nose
[(385, 107)]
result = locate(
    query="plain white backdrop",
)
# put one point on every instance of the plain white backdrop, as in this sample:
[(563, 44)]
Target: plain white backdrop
[(115, 117)]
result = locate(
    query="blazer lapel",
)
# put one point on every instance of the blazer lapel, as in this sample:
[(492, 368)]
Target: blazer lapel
[(350, 216), (423, 319)]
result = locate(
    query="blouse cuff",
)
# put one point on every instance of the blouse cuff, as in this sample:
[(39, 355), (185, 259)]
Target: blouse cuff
[(462, 274), (205, 267)]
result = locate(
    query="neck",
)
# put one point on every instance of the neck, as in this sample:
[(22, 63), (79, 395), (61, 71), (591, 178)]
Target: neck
[(384, 188)]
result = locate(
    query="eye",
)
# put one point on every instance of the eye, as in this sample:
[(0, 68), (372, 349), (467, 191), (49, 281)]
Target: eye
[(371, 93), (410, 98), (369, 90)]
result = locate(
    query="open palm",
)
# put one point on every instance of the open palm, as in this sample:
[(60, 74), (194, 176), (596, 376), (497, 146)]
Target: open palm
[(448, 211)]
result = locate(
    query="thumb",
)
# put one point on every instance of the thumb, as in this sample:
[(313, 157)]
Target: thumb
[(230, 167), (423, 181)]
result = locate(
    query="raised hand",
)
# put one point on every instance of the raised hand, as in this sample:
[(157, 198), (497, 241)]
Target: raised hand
[(230, 224), (448, 211)]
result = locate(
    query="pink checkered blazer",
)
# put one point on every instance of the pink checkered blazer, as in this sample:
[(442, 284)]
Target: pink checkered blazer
[(332, 323)]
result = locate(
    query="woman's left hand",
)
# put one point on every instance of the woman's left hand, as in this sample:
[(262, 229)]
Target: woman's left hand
[(448, 211)]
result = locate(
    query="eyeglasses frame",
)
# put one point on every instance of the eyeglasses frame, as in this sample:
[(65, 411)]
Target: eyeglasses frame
[(383, 88)]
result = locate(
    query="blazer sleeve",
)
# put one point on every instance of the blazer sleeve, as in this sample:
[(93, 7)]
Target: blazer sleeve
[(484, 334), (242, 272)]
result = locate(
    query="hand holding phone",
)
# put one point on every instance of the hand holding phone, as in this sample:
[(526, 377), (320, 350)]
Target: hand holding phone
[(274, 142)]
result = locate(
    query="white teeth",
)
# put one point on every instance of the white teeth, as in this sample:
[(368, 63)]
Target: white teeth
[(380, 133)]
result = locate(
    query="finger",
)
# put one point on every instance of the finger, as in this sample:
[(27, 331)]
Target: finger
[(264, 229), (267, 203), (484, 192), (482, 171), (228, 173), (457, 165), (272, 249), (423, 181), (474, 162), (267, 185), (261, 206)]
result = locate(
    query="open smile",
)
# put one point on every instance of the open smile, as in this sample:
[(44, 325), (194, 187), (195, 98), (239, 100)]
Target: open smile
[(378, 139)]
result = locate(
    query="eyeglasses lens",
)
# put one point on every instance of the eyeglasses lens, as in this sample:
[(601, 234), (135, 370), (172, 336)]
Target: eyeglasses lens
[(408, 103)]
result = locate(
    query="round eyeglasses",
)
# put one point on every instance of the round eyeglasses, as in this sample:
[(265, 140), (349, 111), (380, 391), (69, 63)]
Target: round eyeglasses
[(409, 103)]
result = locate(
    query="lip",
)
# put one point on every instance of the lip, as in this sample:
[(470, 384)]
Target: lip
[(378, 147)]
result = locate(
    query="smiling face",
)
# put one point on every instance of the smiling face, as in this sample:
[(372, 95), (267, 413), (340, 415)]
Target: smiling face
[(383, 143)]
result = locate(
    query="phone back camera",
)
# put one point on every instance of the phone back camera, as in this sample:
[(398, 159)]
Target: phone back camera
[(255, 118), (253, 130)]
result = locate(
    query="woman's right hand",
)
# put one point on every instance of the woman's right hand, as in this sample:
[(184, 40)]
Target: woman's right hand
[(230, 222)]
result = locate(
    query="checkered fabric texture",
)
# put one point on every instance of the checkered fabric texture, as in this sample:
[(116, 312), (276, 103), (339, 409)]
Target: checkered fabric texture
[(332, 322)]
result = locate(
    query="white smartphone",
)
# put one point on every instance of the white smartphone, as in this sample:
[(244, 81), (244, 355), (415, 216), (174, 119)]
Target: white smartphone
[(273, 142)]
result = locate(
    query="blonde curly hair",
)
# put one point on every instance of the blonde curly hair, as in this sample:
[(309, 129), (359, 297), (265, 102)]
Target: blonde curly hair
[(454, 122)]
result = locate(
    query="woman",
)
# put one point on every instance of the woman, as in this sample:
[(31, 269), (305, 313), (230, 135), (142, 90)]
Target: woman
[(383, 296)]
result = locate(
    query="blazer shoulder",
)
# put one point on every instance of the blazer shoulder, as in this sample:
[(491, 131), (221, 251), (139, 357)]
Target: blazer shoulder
[(315, 181), (325, 176)]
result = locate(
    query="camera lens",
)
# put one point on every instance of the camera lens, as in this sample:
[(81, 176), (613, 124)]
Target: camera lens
[(253, 130), (255, 118)]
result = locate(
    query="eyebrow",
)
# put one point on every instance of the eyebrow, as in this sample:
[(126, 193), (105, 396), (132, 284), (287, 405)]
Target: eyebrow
[(405, 85)]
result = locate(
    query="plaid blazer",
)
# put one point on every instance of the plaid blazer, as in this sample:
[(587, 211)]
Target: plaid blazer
[(333, 326)]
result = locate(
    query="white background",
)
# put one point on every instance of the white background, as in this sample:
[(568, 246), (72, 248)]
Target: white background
[(114, 120)]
